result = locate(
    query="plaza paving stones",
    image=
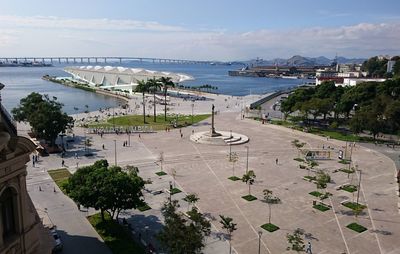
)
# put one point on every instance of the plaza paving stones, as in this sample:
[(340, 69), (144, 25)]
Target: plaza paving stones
[(204, 170)]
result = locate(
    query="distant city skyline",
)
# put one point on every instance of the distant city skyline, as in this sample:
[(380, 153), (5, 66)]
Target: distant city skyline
[(200, 30)]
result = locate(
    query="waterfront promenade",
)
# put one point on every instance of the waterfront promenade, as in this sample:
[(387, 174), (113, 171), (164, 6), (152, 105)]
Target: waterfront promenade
[(204, 170)]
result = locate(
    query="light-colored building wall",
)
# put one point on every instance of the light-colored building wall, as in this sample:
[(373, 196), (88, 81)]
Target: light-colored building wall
[(20, 226)]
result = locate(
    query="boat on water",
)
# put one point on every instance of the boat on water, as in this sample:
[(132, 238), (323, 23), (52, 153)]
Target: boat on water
[(289, 77)]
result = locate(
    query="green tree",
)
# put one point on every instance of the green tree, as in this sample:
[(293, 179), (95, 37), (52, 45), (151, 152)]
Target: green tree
[(191, 199), (322, 179), (167, 83), (270, 199), (143, 87), (108, 189), (295, 240), (229, 227), (180, 235), (44, 115), (249, 178)]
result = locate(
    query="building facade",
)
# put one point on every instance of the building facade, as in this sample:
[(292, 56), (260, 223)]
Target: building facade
[(20, 225)]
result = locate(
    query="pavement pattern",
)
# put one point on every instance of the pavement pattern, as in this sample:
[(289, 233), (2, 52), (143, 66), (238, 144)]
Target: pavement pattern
[(204, 169)]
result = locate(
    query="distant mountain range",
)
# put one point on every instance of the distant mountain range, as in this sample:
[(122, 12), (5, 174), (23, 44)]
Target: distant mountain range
[(305, 61)]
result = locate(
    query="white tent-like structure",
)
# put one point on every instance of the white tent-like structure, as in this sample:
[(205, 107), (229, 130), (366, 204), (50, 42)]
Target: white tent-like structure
[(119, 78)]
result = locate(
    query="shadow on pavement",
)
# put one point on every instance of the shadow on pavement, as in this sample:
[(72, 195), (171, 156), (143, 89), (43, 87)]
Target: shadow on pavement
[(78, 244)]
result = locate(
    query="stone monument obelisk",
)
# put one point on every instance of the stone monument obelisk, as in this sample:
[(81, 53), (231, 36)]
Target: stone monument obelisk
[(213, 133)]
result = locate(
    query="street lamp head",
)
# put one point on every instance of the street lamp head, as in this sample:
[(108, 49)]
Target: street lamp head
[(260, 233)]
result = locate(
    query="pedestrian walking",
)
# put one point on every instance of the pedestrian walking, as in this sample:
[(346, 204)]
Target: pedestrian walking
[(103, 147), (76, 156), (308, 250), (62, 163), (276, 161), (54, 189), (181, 135), (40, 188)]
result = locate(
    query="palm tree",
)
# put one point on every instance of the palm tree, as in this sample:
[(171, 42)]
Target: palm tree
[(166, 82), (229, 227), (154, 85), (191, 199), (143, 88), (249, 178)]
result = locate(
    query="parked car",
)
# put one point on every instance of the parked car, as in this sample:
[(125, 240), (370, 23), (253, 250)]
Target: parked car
[(58, 245)]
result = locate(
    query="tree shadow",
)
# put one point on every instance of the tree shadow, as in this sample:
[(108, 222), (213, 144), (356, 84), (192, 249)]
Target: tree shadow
[(75, 243), (144, 228), (382, 232)]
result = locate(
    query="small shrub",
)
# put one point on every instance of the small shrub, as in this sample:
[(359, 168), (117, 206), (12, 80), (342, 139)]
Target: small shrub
[(316, 194), (161, 173), (234, 178), (348, 171), (344, 161), (354, 206), (249, 197), (175, 191), (349, 188), (356, 227), (270, 227), (299, 159), (321, 207)]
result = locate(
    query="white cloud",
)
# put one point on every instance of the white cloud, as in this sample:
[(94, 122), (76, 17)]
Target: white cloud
[(89, 24), (52, 36)]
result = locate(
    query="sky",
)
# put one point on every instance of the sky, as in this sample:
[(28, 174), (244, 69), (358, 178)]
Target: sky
[(225, 30)]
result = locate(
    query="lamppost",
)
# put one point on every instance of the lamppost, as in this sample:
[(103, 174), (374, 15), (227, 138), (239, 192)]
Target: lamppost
[(359, 184), (230, 152), (259, 241), (247, 159), (115, 151)]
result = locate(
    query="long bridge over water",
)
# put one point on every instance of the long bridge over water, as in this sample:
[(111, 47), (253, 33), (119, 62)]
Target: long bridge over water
[(96, 59)]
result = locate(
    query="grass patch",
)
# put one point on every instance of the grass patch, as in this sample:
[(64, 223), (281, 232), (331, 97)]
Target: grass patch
[(349, 188), (160, 124), (320, 195), (344, 161), (144, 207), (316, 194), (60, 177), (299, 159), (116, 236), (354, 206), (249, 197), (321, 207), (356, 227), (161, 173), (310, 178), (347, 171), (234, 178), (270, 227), (175, 191), (282, 123)]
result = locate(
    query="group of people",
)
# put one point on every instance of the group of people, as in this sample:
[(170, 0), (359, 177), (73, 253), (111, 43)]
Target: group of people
[(35, 159)]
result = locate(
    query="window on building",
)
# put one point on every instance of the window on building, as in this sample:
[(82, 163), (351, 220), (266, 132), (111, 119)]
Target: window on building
[(7, 213)]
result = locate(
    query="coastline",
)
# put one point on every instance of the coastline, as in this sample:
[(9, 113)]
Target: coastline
[(85, 88)]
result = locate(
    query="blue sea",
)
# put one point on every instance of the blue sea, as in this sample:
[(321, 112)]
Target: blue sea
[(20, 81)]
